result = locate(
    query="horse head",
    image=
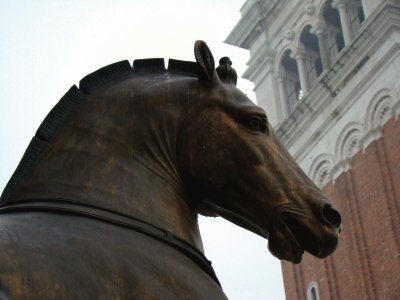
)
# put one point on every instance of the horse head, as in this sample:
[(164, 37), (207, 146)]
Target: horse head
[(235, 167), (161, 145)]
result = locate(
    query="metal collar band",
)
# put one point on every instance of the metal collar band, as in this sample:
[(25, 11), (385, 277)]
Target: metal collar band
[(118, 219)]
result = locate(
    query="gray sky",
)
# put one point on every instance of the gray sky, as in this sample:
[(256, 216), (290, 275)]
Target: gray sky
[(47, 46)]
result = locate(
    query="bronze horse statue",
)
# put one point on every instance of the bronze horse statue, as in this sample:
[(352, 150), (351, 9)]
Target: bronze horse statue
[(105, 201)]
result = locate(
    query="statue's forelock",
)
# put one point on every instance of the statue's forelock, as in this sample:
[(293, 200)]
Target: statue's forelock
[(226, 73)]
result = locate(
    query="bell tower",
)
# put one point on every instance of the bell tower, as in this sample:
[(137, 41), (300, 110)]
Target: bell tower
[(327, 73)]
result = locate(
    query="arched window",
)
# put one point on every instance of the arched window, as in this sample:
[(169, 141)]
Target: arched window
[(312, 291), (291, 79), (334, 36), (312, 56)]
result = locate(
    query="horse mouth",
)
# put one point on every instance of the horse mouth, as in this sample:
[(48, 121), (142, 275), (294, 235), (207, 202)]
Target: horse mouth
[(302, 234), (296, 234)]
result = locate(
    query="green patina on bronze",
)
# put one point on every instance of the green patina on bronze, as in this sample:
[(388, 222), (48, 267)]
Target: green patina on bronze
[(153, 146)]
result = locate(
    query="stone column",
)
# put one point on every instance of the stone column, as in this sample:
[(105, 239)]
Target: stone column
[(282, 92), (344, 20), (302, 71), (323, 49)]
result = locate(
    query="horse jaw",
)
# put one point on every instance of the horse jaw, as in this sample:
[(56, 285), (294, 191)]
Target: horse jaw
[(235, 218), (294, 234)]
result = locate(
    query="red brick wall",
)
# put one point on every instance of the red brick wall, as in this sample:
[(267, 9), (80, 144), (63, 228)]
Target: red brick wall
[(366, 264)]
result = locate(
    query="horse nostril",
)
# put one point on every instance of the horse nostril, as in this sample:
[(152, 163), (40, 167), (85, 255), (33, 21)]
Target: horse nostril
[(332, 216)]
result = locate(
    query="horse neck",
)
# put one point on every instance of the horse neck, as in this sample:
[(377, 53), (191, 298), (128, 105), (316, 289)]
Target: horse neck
[(116, 155)]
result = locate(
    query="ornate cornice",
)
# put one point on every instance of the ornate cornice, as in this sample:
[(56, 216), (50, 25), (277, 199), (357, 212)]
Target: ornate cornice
[(354, 138), (256, 15)]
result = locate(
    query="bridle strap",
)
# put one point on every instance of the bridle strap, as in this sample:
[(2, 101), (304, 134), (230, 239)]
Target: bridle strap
[(67, 207)]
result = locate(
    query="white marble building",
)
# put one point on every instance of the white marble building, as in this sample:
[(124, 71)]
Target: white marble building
[(326, 72)]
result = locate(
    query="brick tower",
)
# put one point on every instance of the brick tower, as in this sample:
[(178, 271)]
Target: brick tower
[(328, 74)]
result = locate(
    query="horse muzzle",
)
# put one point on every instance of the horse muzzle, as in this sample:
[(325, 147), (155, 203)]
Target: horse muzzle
[(297, 232)]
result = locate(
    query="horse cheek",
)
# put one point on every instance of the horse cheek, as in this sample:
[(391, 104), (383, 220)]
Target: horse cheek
[(212, 157)]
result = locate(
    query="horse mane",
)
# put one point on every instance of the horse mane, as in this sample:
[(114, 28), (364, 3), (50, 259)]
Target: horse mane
[(69, 103)]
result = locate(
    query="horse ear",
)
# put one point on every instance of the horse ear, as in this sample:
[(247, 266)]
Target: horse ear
[(205, 61)]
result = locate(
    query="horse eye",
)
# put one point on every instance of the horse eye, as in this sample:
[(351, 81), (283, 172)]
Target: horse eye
[(256, 123)]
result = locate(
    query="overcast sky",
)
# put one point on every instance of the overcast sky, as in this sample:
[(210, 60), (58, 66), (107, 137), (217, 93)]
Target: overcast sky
[(47, 46)]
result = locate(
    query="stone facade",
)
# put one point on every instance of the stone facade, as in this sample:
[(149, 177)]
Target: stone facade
[(327, 73)]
